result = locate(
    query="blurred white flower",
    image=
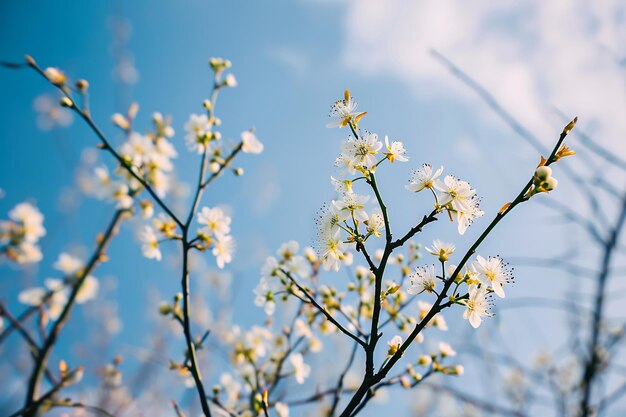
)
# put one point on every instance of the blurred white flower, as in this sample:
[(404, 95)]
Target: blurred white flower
[(197, 127), (216, 222), (223, 250), (301, 370), (51, 114), (250, 143), (150, 243)]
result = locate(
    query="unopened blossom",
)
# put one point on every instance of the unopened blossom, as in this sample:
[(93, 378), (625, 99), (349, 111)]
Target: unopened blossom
[(197, 128), (493, 272), (223, 250), (55, 75), (360, 152), (395, 151), (216, 222), (250, 143), (422, 279), (476, 305), (441, 250), (149, 243), (352, 205), (344, 112), (425, 360), (424, 177), (301, 370)]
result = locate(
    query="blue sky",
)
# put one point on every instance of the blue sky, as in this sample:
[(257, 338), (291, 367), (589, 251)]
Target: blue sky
[(292, 60)]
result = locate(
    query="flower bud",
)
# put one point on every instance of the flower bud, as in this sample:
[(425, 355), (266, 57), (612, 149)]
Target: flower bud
[(424, 360), (550, 184), (82, 86), (66, 102), (120, 121), (543, 173), (55, 76), (165, 308), (238, 172), (214, 167)]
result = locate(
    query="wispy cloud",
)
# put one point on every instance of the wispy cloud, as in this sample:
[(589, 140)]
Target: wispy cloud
[(533, 56)]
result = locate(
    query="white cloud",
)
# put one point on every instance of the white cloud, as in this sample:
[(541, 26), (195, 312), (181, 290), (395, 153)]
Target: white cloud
[(532, 55)]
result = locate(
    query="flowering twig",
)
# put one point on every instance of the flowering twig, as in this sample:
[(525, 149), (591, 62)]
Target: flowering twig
[(372, 378), (324, 311)]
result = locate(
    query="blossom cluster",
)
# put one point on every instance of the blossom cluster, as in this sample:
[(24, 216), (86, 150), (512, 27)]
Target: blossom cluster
[(20, 234), (53, 296)]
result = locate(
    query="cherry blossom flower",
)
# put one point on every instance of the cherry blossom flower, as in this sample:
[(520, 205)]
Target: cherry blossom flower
[(250, 143), (216, 222), (150, 243), (493, 272), (352, 205), (197, 127), (395, 151), (301, 370), (477, 306), (344, 111), (441, 250), (424, 177), (422, 279), (360, 152), (223, 250)]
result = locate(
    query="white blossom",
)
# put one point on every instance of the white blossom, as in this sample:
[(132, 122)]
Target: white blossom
[(197, 127), (492, 272), (301, 370), (150, 243), (223, 250), (395, 151), (250, 143), (424, 177), (476, 306), (216, 222), (422, 279)]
